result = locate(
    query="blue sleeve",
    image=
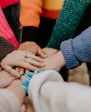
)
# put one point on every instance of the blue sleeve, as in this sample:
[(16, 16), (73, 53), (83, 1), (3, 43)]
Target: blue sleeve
[(77, 50)]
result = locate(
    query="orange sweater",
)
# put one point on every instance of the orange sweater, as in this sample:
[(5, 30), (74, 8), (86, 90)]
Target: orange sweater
[(31, 10)]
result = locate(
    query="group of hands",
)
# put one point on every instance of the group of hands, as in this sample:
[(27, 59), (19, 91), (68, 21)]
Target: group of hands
[(30, 57)]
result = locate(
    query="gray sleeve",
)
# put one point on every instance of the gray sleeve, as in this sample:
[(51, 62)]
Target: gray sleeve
[(8, 101)]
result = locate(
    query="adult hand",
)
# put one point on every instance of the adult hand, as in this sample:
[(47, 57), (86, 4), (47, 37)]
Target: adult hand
[(23, 59), (55, 61), (32, 47), (49, 51)]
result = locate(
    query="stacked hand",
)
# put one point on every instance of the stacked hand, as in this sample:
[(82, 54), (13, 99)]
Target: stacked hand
[(33, 48), (22, 59)]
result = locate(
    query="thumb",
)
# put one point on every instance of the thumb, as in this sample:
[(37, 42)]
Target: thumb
[(12, 71), (41, 53)]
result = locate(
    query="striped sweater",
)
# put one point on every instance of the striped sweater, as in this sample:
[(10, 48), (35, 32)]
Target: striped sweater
[(68, 21), (31, 10), (37, 17)]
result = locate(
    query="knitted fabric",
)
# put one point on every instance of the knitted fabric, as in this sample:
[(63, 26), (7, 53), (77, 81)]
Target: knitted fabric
[(32, 10), (68, 21), (6, 32), (5, 47), (28, 77), (6, 3), (77, 50)]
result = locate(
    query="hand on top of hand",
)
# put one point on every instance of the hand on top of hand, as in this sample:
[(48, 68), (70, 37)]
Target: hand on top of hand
[(22, 59), (33, 48), (55, 61)]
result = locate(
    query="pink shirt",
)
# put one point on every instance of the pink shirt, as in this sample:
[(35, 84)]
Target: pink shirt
[(6, 3)]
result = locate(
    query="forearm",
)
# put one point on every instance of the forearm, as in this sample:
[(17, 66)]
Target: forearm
[(67, 22), (77, 50)]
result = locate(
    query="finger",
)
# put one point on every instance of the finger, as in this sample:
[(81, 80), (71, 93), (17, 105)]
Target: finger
[(12, 71), (43, 68), (22, 78), (26, 71), (17, 69), (34, 62), (41, 53), (30, 55), (28, 66), (21, 71)]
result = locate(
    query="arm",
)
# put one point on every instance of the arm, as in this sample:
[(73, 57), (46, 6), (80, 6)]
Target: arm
[(49, 93), (67, 22), (30, 18), (73, 52), (12, 97), (77, 50), (6, 32)]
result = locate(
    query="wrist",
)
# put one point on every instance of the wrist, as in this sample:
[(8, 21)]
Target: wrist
[(61, 59)]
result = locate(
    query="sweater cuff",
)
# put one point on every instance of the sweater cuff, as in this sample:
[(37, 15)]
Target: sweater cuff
[(67, 50), (5, 47), (29, 33)]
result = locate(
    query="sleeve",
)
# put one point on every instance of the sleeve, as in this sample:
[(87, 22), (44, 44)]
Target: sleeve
[(6, 32), (30, 18), (45, 90), (67, 21), (5, 47), (49, 93), (77, 50), (8, 101), (30, 12)]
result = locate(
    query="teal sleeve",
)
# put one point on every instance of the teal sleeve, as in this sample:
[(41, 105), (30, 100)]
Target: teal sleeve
[(67, 21)]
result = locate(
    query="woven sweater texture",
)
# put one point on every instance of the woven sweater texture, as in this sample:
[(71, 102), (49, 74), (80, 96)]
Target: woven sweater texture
[(68, 21), (77, 50)]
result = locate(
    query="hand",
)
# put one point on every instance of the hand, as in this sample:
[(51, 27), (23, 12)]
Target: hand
[(49, 51), (22, 59), (32, 47), (55, 61), (22, 71)]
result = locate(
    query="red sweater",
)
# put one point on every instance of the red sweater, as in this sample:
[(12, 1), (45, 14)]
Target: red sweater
[(6, 3)]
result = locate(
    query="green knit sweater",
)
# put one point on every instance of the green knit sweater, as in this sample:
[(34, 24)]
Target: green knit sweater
[(68, 21)]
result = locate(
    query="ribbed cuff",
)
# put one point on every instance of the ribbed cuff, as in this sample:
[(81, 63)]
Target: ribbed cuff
[(29, 33), (67, 50)]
